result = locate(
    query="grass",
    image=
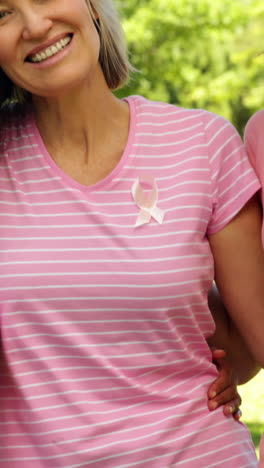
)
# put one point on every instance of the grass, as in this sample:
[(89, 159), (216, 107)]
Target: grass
[(252, 395)]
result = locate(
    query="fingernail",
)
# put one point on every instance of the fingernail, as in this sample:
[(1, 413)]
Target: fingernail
[(213, 405), (232, 409), (239, 414), (212, 394)]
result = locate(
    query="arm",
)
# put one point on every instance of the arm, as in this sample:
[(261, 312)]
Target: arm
[(228, 338), (239, 274)]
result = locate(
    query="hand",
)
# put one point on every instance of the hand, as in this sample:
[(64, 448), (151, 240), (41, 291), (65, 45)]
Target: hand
[(223, 391)]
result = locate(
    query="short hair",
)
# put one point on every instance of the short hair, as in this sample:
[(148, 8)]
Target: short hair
[(113, 56)]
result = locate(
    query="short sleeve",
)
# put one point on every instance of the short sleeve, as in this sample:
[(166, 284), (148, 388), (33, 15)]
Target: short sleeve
[(234, 181), (254, 143)]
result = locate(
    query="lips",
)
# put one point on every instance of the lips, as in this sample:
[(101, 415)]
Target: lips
[(49, 48)]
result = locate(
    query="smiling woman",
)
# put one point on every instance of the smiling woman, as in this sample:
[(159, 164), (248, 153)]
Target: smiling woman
[(112, 56), (104, 285)]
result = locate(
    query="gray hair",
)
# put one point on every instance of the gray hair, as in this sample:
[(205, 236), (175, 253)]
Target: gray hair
[(113, 55), (113, 51)]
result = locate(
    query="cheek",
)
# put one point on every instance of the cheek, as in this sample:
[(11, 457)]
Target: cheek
[(5, 54), (77, 10), (7, 49)]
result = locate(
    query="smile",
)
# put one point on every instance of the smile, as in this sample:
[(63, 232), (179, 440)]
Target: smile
[(50, 51)]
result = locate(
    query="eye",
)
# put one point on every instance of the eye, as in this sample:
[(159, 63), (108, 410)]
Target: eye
[(4, 14)]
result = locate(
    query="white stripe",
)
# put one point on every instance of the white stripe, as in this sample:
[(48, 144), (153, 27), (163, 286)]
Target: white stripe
[(94, 356), (186, 460), (238, 163), (168, 122), (26, 158), (103, 333), (100, 285), (238, 194), (23, 137), (150, 365), (160, 421), (237, 149), (37, 181), (98, 345), (115, 204), (121, 273), (97, 213), (226, 143), (107, 260), (121, 237), (196, 157), (234, 183), (174, 132), (18, 127), (108, 237), (165, 145), (219, 131), (158, 178), (87, 298), (214, 119), (117, 455), (109, 309), (128, 416), (33, 169), (44, 192), (19, 148), (124, 442)]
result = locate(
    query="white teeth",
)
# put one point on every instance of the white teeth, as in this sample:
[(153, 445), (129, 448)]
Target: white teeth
[(50, 51)]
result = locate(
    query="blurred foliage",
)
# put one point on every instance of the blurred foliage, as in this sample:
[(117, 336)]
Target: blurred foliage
[(198, 53), (252, 395)]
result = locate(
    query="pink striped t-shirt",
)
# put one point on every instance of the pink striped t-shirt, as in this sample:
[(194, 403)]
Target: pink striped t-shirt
[(104, 324)]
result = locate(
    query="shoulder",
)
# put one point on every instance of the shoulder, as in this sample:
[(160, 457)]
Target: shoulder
[(254, 141), (166, 109), (202, 127), (157, 111), (255, 126)]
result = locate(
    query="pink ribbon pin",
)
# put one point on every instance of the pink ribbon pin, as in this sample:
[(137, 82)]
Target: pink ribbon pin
[(147, 201)]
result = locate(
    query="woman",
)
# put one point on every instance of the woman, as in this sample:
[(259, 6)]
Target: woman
[(115, 216), (254, 145)]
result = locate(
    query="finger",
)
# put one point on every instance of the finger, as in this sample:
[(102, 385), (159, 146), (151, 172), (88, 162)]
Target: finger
[(222, 383), (233, 407), (226, 397), (218, 354), (237, 415)]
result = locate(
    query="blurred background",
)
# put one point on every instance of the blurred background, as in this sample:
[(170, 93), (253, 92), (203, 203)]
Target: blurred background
[(202, 54), (198, 53)]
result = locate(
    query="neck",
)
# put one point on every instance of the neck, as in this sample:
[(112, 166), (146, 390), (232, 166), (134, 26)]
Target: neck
[(82, 113), (84, 131)]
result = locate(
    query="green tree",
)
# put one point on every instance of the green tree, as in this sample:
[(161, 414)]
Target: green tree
[(197, 53)]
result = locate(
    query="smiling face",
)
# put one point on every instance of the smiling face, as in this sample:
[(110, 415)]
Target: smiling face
[(48, 47)]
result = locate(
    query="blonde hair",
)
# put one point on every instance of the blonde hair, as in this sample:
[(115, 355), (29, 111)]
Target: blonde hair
[(113, 55)]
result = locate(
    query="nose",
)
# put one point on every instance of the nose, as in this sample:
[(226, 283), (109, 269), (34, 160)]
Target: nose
[(36, 25)]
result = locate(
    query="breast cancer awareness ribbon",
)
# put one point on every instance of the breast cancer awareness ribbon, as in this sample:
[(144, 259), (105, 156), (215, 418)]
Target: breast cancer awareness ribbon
[(147, 201)]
